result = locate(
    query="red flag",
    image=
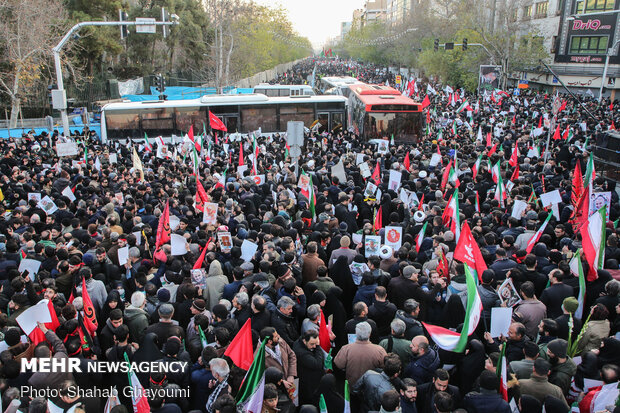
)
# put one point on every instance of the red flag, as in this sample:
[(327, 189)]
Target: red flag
[(420, 205), (190, 135), (426, 102), (489, 139), (376, 175), (443, 268), (216, 122), (240, 349), (515, 174), (90, 318), (540, 122), (201, 196), (514, 119), (326, 343), (163, 228), (36, 336), (556, 134), (514, 158), (407, 162), (611, 106), (613, 125), (241, 153), (492, 151), (378, 220), (201, 259), (565, 134), (563, 106), (467, 251), (577, 185)]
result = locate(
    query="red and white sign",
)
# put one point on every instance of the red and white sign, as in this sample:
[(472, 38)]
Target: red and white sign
[(394, 237)]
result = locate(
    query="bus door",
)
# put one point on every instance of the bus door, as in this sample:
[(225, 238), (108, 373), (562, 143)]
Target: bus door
[(337, 123), (324, 121), (231, 122)]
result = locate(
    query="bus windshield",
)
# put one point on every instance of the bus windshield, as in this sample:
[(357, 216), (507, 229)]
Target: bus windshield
[(405, 126)]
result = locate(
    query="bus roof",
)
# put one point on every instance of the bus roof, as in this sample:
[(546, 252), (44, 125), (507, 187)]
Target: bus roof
[(215, 100), (381, 95), (340, 80), (279, 86)]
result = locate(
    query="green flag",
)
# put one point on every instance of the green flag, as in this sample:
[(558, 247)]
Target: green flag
[(322, 405), (250, 395)]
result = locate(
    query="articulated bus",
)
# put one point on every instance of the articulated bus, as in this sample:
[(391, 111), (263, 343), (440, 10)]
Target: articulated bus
[(336, 85), (376, 112), (283, 90), (240, 113)]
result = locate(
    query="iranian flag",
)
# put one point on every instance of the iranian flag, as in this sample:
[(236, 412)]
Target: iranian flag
[(446, 175), (492, 150), (502, 373), (451, 215), (138, 400), (479, 136), (255, 151), (347, 398), (468, 252), (495, 172), (500, 192), (452, 341), (322, 405), (536, 236), (220, 182), (250, 395), (147, 145), (577, 269), (593, 241), (454, 128), (476, 166), (477, 205), (465, 106), (420, 237), (311, 197)]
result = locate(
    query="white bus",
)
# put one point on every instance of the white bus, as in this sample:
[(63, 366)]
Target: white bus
[(283, 90), (336, 85), (240, 113)]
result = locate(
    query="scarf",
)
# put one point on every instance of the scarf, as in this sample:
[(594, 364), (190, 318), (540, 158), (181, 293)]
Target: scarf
[(215, 394), (275, 354)]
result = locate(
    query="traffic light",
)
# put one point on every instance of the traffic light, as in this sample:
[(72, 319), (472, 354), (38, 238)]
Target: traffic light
[(436, 46), (123, 17), (161, 86), (464, 43)]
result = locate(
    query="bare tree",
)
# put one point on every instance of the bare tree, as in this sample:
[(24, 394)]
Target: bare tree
[(28, 31)]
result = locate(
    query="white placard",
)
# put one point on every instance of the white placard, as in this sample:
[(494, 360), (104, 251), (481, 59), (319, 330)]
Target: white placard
[(47, 205), (30, 265), (123, 255), (69, 193), (28, 319), (365, 170), (112, 158), (550, 198), (66, 149), (517, 208), (435, 159), (241, 169), (359, 158), (226, 242), (209, 215), (370, 191), (120, 198), (394, 237), (174, 222), (384, 146), (598, 200), (138, 236), (357, 238), (338, 172), (178, 244), (395, 177), (372, 243), (500, 321), (248, 249)]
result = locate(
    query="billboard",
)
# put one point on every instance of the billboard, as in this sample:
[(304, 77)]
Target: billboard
[(489, 79)]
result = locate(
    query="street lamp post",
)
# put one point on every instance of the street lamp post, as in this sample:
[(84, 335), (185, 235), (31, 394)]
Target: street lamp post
[(59, 95)]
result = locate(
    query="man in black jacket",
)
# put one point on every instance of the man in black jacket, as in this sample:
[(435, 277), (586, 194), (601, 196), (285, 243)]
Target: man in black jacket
[(283, 321), (382, 312), (553, 296), (310, 361), (427, 391)]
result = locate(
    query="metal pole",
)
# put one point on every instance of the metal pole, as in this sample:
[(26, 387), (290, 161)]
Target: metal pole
[(551, 125), (600, 93), (58, 65)]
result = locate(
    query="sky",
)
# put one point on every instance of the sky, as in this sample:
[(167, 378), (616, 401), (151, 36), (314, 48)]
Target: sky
[(318, 20)]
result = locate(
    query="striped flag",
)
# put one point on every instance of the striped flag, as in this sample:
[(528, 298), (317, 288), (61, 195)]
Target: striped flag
[(577, 269), (138, 400), (452, 341), (322, 405), (250, 395), (347, 398), (593, 241), (451, 215), (502, 373), (536, 236), (147, 145), (112, 401), (468, 252), (476, 166), (420, 237), (495, 172), (500, 192)]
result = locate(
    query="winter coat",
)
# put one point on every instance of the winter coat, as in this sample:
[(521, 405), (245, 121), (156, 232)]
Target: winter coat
[(309, 369), (356, 358), (412, 326), (485, 402), (422, 368), (137, 321), (596, 331)]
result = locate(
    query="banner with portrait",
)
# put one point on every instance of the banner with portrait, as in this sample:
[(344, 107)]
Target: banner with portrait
[(490, 76)]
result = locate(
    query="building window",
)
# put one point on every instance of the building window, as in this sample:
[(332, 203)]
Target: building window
[(527, 12), (541, 9), (588, 44), (594, 5)]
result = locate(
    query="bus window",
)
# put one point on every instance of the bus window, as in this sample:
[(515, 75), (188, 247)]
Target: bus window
[(337, 121), (296, 112), (258, 116), (156, 121), (189, 116), (284, 92), (120, 124), (324, 121)]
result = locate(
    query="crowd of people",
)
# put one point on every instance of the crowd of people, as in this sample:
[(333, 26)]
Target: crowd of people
[(311, 269)]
